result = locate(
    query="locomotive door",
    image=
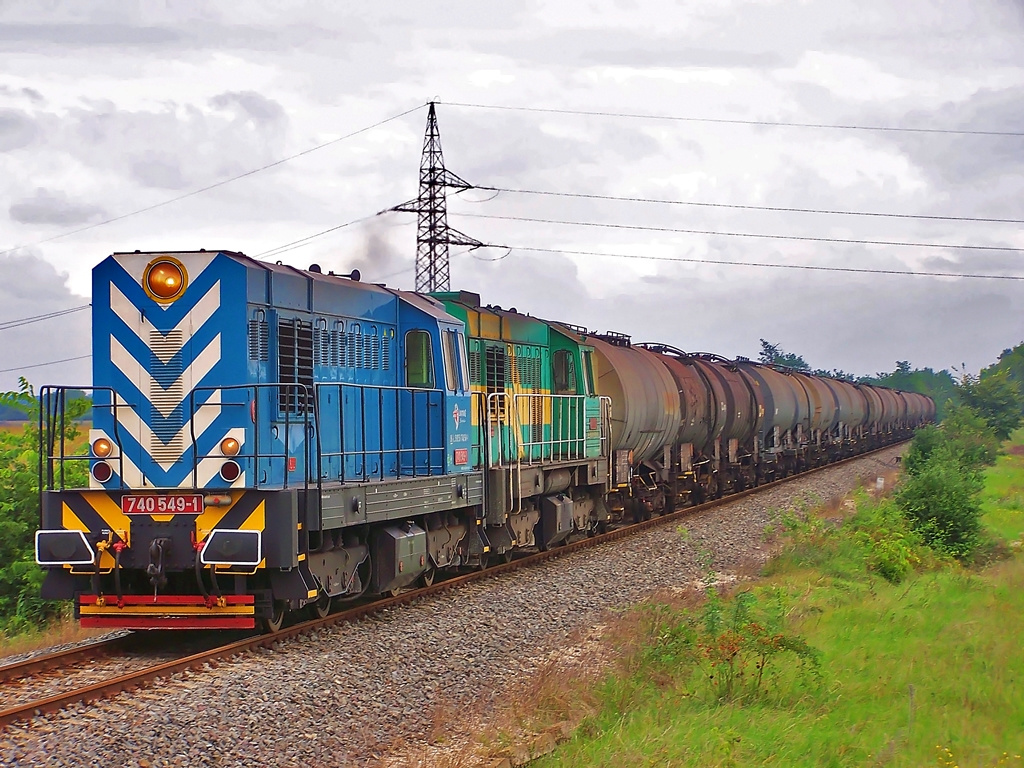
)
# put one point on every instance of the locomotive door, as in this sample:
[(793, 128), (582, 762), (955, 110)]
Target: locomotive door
[(497, 380), (420, 409)]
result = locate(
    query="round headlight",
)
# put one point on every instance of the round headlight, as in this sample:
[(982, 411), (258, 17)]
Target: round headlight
[(101, 448), (165, 279), (102, 471), (229, 446)]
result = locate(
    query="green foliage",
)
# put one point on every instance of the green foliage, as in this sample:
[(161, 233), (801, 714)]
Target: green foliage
[(940, 387), (996, 398), (963, 433), (732, 649), (893, 547), (1011, 362), (20, 577), (942, 502), (774, 354)]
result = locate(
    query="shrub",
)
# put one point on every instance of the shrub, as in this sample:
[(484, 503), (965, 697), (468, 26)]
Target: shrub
[(892, 545), (942, 502)]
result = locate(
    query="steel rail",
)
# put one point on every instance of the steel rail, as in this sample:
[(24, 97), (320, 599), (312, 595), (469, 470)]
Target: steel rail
[(138, 678), (43, 663)]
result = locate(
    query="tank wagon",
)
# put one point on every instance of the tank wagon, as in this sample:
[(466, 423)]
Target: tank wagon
[(267, 439)]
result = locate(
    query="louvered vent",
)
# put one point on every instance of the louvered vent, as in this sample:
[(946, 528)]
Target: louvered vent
[(295, 364), (167, 391), (322, 347), (474, 366), (385, 353), (259, 340)]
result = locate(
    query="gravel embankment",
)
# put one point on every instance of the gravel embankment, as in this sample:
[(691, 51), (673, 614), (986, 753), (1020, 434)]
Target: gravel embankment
[(343, 695)]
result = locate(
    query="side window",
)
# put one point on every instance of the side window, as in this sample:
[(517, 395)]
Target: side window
[(419, 368), (563, 366), (463, 363), (588, 371), (448, 348)]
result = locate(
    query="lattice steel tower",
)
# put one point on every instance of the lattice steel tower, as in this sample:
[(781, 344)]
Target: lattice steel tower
[(433, 235)]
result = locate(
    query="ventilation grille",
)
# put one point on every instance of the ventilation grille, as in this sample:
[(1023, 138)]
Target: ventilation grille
[(167, 391), (295, 364), (474, 366), (528, 372), (351, 348), (259, 340)]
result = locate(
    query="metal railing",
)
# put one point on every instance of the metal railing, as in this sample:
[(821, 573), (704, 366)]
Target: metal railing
[(53, 425), (532, 428)]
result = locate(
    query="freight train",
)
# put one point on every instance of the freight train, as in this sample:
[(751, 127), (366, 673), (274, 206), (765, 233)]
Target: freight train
[(267, 440)]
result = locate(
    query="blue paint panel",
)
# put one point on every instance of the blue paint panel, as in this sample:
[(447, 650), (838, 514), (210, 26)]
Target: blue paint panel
[(370, 425)]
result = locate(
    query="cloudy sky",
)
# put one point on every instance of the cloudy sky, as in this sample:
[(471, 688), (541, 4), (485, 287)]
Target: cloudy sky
[(107, 108)]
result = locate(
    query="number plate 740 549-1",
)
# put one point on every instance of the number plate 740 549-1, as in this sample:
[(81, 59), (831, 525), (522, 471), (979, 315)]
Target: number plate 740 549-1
[(188, 504)]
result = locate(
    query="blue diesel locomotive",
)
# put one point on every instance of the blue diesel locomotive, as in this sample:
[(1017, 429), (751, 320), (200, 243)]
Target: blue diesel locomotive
[(267, 439)]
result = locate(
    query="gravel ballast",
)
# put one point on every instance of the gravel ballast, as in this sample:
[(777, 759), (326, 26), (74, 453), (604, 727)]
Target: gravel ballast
[(343, 695)]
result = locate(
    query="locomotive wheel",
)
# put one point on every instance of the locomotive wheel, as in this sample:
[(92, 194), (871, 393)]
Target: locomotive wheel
[(274, 623), (483, 562), (321, 607), (427, 579), (506, 556)]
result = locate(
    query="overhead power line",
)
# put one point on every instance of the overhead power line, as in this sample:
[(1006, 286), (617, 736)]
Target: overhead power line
[(39, 318), (41, 365), (729, 121), (758, 235), (770, 265), (774, 208), (217, 184)]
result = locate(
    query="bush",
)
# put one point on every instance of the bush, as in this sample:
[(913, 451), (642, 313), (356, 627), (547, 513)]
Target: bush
[(20, 577), (964, 433), (892, 546), (942, 501)]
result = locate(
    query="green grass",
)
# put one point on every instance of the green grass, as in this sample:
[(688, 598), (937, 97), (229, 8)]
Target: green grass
[(928, 671)]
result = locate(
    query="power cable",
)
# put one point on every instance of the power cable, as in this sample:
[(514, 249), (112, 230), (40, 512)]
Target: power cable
[(302, 242), (215, 185), (41, 365), (775, 208), (728, 121), (38, 318), (759, 235), (857, 270)]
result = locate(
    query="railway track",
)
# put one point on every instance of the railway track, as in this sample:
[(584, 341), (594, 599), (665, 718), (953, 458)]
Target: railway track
[(149, 672)]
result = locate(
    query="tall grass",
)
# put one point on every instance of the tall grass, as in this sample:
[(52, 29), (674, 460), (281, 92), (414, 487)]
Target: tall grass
[(920, 660)]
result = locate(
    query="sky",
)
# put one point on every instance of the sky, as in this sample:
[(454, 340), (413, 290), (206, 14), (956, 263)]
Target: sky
[(109, 108)]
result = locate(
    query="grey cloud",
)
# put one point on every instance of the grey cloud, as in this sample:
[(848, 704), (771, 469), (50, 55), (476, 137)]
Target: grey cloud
[(258, 107), (155, 169), (30, 286), (17, 130), (48, 207), (89, 35)]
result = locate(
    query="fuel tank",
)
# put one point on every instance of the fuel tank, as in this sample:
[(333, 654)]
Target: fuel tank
[(696, 399), (852, 406), (735, 406), (645, 399), (781, 400), (876, 407), (822, 402)]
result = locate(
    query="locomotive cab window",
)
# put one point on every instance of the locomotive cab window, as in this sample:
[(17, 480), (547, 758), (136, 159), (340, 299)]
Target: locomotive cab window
[(563, 364), (419, 367), (588, 371), (450, 371), (463, 363)]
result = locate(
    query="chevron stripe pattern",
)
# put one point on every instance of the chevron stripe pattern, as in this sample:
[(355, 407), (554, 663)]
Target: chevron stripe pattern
[(154, 355)]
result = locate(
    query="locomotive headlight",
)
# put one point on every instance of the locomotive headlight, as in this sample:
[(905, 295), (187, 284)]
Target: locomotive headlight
[(229, 446), (101, 448), (165, 279)]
